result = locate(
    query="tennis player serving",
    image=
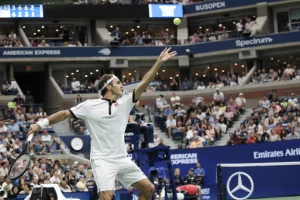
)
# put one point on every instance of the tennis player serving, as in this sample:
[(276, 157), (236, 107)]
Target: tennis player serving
[(106, 120)]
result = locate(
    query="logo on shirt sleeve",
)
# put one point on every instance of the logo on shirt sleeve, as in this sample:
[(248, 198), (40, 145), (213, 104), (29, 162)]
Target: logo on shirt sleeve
[(116, 104)]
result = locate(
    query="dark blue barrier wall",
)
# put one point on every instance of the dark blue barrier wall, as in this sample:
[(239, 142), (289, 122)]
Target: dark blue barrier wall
[(284, 151), (210, 157), (239, 43)]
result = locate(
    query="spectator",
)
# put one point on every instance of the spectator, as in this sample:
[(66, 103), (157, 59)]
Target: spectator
[(178, 180), (31, 116), (77, 101), (19, 103), (161, 103), (12, 36), (26, 190), (196, 143), (13, 127), (43, 44), (240, 27), (190, 178), (3, 128), (249, 24), (46, 137), (199, 171), (161, 142), (218, 97), (66, 36), (117, 35), (175, 100), (194, 38), (156, 139), (64, 187), (81, 185), (41, 114), (186, 84), (29, 99), (75, 85), (171, 125), (241, 102), (6, 88), (13, 193)]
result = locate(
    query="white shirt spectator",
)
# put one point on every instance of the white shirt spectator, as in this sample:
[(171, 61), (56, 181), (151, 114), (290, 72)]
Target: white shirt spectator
[(190, 134), (175, 100), (12, 36), (75, 85), (13, 85), (161, 102), (239, 26), (201, 87), (293, 101), (171, 123), (266, 103), (202, 116), (240, 101), (156, 141), (46, 138), (3, 129), (219, 96), (68, 189)]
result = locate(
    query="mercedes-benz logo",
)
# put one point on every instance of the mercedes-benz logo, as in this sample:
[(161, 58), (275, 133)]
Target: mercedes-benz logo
[(240, 185)]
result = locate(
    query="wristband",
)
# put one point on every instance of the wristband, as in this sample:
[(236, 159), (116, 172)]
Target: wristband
[(43, 123)]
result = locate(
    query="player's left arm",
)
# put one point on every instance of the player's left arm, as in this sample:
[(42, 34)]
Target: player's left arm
[(149, 76)]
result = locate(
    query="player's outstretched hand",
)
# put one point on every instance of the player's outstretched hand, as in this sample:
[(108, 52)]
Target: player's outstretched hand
[(34, 128), (165, 55)]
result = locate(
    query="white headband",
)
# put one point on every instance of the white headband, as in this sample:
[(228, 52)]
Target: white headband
[(107, 82)]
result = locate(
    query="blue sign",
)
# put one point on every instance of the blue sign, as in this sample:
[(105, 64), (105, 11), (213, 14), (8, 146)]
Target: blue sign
[(22, 11), (261, 181), (217, 5), (165, 10), (140, 51)]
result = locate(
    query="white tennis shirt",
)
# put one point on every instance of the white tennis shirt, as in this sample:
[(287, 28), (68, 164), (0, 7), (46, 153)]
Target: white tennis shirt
[(106, 122)]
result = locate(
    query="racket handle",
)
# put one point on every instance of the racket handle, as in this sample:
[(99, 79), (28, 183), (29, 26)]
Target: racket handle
[(30, 137)]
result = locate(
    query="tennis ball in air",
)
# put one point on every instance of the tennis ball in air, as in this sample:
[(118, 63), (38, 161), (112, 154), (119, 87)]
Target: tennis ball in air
[(176, 21)]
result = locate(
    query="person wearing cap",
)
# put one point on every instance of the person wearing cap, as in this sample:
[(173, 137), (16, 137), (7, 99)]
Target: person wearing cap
[(241, 102), (190, 178), (106, 120), (218, 97), (81, 184)]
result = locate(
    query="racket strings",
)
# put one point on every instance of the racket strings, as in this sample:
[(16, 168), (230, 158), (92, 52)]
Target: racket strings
[(19, 167)]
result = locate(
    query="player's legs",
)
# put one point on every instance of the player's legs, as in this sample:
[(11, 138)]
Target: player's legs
[(146, 189), (105, 173), (130, 175), (106, 195)]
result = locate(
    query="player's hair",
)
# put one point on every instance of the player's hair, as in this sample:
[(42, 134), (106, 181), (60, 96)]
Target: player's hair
[(103, 81)]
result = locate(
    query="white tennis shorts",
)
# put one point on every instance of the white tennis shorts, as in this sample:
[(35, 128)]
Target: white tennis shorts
[(107, 170)]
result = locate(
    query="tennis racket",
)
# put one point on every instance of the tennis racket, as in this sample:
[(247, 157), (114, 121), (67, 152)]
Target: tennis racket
[(21, 163)]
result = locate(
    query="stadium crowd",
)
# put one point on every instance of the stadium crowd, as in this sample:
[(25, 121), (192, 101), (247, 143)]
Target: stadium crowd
[(202, 123), (274, 119)]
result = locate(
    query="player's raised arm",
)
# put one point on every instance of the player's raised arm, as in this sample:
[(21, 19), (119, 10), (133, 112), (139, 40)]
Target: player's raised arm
[(163, 57), (52, 119)]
